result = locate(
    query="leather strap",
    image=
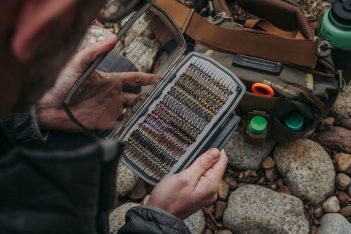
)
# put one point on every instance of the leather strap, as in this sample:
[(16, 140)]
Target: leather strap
[(279, 13), (272, 29), (243, 41)]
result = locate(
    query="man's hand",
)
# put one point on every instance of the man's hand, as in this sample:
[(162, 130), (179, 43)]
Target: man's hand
[(185, 193), (101, 100)]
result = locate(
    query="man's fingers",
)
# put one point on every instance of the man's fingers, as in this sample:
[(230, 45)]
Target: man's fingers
[(86, 56), (129, 99), (215, 174), (129, 78), (138, 78), (218, 169), (201, 165)]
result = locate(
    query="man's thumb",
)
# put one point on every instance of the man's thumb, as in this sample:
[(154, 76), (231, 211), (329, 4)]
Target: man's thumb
[(202, 164)]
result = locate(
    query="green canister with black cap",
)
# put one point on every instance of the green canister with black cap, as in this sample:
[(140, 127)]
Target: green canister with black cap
[(336, 29)]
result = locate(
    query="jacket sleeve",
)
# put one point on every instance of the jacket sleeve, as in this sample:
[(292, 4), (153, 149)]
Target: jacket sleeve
[(21, 129), (59, 191), (146, 219)]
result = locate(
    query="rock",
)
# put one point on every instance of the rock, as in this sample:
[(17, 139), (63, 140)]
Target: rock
[(342, 107), (110, 9), (196, 222), (116, 28), (271, 174), (256, 209), (142, 53), (141, 47), (96, 34), (349, 190), (334, 224), (126, 179), (268, 163), (343, 162), (346, 211), (233, 183), (141, 28), (244, 156), (346, 123), (307, 170), (336, 138), (117, 217), (318, 212), (208, 231), (223, 190), (139, 191), (329, 121), (137, 45), (219, 210), (342, 181), (331, 205)]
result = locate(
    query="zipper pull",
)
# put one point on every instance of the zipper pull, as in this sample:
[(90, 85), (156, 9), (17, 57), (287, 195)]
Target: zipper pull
[(324, 49)]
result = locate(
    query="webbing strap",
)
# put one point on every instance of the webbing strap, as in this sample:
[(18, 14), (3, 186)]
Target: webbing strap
[(241, 40)]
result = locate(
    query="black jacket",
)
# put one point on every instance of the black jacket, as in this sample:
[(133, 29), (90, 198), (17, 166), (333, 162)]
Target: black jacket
[(55, 183)]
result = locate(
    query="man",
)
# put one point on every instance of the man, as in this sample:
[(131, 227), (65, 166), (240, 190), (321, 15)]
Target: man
[(71, 190)]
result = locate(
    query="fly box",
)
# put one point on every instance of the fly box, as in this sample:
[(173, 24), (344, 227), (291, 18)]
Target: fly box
[(187, 111)]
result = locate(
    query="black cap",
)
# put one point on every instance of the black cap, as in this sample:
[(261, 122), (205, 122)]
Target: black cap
[(341, 11)]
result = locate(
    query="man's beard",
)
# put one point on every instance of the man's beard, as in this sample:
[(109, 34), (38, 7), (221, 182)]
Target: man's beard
[(40, 77), (42, 74)]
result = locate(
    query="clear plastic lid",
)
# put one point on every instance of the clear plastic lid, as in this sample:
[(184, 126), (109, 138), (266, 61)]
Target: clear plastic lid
[(116, 85)]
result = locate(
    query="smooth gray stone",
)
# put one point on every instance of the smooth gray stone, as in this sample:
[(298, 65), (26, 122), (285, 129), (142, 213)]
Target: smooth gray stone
[(334, 223), (117, 217), (254, 209), (244, 156), (307, 170), (342, 108), (196, 222)]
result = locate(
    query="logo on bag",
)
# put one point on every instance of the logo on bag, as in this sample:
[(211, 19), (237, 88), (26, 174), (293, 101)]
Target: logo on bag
[(281, 88)]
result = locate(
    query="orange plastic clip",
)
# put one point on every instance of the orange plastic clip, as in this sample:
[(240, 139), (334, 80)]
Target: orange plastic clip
[(262, 90)]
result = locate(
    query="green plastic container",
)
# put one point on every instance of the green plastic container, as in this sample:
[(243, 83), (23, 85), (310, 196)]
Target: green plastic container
[(336, 28), (258, 125), (336, 25)]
